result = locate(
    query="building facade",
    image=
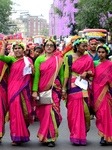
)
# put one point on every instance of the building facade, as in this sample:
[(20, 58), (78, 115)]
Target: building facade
[(60, 25), (35, 25)]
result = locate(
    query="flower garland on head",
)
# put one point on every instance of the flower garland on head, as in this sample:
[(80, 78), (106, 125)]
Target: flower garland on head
[(103, 46), (78, 41), (50, 39), (18, 43)]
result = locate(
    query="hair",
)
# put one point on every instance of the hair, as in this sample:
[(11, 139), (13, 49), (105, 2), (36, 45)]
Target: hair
[(38, 47), (75, 46), (107, 57), (102, 40), (52, 42)]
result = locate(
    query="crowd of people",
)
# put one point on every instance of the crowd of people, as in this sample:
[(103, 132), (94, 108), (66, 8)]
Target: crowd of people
[(80, 75)]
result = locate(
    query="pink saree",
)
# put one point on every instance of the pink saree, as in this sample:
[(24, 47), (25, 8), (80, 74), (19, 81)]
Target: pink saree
[(102, 91), (49, 115), (77, 102), (19, 100), (3, 97)]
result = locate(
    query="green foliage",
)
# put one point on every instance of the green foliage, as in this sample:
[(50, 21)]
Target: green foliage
[(5, 12), (94, 14), (57, 11)]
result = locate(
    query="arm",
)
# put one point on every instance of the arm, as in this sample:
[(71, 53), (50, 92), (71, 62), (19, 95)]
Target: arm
[(36, 79), (66, 77), (61, 74), (2, 52)]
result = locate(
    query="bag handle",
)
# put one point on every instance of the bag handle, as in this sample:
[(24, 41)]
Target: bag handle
[(55, 71), (70, 65)]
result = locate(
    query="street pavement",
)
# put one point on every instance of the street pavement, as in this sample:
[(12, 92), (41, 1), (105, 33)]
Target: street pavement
[(62, 143)]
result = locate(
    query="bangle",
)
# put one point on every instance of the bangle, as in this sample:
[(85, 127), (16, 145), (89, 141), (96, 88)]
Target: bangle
[(3, 48), (63, 90)]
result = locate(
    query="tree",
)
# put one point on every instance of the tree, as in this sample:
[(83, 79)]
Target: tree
[(5, 12), (94, 14)]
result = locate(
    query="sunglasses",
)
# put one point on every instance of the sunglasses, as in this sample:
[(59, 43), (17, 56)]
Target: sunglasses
[(49, 45)]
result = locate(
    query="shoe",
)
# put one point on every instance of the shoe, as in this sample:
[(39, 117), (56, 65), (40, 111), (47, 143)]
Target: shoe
[(51, 144), (16, 143), (102, 142), (0, 140)]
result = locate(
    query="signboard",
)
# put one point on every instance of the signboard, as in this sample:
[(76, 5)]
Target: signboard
[(95, 34)]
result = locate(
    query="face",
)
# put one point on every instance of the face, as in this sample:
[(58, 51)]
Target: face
[(72, 42), (102, 53), (82, 48), (8, 50), (18, 51), (37, 52), (93, 46), (26, 52), (49, 47), (31, 51)]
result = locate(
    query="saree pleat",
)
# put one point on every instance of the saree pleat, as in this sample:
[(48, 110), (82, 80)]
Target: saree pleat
[(19, 99), (103, 99), (49, 115), (3, 97), (78, 114)]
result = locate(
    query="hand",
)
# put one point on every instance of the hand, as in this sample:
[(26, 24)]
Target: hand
[(32, 67), (90, 72), (64, 95), (83, 75), (34, 95), (5, 42)]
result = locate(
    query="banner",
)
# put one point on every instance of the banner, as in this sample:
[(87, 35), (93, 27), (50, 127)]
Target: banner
[(11, 38)]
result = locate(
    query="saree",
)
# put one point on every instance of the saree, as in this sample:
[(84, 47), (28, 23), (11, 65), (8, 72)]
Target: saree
[(102, 91), (49, 115), (78, 115), (3, 97), (19, 101)]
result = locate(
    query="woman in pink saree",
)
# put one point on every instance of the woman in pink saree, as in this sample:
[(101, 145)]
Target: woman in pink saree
[(77, 98), (19, 94), (49, 114), (3, 97), (102, 91)]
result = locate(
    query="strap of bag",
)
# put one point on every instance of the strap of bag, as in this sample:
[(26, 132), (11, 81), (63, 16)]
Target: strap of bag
[(70, 64), (55, 71)]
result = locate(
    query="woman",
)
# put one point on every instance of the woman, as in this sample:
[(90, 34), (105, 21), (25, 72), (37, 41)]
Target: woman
[(49, 115), (77, 98), (3, 97), (102, 91), (19, 93)]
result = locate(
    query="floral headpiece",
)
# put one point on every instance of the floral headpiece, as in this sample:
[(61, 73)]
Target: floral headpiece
[(78, 41), (50, 39), (18, 43), (104, 46)]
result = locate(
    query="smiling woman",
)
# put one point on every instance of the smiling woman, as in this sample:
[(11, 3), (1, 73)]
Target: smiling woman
[(19, 93)]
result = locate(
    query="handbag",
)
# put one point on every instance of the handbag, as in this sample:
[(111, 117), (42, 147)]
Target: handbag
[(46, 96)]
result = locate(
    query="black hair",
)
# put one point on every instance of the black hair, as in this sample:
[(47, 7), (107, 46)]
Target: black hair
[(38, 47), (102, 40), (75, 48), (107, 57), (53, 44)]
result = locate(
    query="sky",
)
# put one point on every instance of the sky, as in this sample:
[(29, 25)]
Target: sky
[(35, 7)]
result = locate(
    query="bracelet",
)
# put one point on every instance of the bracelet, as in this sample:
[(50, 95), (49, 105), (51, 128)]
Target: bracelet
[(3, 48), (63, 90)]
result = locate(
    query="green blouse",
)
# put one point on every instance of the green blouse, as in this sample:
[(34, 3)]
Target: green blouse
[(8, 60), (38, 61)]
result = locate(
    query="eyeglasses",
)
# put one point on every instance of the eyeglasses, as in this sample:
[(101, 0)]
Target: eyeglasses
[(51, 45)]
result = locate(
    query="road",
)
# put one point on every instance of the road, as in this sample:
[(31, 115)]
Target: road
[(62, 143)]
